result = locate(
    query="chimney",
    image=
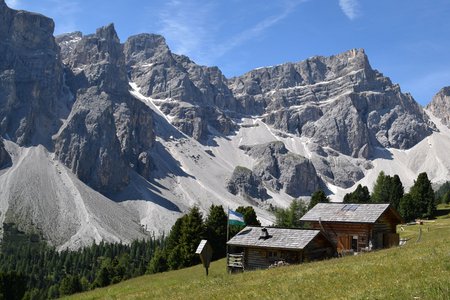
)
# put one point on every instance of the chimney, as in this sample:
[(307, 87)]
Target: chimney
[(264, 234)]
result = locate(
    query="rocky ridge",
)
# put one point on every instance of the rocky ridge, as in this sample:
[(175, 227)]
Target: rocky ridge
[(440, 106), (338, 102), (281, 169), (194, 96), (5, 158), (32, 95), (108, 132)]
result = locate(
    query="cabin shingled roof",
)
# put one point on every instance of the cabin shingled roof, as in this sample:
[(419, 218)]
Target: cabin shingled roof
[(281, 238), (343, 212)]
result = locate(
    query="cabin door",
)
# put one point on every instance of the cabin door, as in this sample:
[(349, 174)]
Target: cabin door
[(344, 242)]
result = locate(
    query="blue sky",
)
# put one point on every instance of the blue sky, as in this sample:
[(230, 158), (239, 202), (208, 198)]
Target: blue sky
[(407, 40)]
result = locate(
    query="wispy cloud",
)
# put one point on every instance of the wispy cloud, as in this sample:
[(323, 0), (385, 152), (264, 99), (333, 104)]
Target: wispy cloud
[(186, 23), (195, 28), (350, 8), (258, 29)]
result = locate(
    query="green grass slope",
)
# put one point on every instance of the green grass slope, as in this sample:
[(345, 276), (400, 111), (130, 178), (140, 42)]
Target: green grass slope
[(418, 270)]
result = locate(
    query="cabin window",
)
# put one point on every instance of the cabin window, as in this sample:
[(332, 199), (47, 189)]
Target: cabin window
[(273, 254)]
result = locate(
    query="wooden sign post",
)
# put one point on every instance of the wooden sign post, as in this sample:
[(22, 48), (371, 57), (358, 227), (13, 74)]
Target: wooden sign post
[(204, 249)]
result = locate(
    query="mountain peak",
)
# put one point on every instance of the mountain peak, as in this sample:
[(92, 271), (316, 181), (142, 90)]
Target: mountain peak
[(107, 32), (440, 105)]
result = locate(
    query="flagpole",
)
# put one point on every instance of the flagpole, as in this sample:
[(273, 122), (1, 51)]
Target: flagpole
[(228, 234), (228, 224)]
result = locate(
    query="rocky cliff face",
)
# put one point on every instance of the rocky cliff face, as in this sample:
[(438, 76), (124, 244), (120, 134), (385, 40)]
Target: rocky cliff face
[(440, 105), (5, 158), (338, 102), (108, 132), (32, 94), (245, 183), (280, 169), (195, 96)]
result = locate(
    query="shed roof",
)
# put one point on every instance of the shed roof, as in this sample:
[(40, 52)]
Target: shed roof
[(280, 238), (342, 212)]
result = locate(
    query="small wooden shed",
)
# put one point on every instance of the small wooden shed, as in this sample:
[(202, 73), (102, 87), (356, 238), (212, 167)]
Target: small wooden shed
[(356, 227), (259, 247)]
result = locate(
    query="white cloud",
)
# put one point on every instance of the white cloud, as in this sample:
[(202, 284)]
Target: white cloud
[(350, 8)]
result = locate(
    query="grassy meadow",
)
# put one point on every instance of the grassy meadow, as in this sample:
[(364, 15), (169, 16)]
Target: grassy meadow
[(418, 270)]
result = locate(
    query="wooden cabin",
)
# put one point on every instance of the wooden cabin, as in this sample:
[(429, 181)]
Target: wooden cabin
[(356, 227), (260, 247)]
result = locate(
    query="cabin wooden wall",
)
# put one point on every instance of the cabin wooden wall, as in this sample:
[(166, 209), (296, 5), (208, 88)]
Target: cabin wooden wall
[(256, 258), (319, 248), (382, 233), (341, 234), (385, 232), (261, 258)]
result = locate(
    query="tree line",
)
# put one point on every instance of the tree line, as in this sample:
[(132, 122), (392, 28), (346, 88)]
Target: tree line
[(420, 202), (39, 271), (31, 269), (187, 232)]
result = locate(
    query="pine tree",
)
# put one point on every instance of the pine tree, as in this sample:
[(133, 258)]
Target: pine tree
[(318, 197), (192, 232), (359, 195), (70, 285), (175, 233), (158, 263), (290, 217), (408, 208), (423, 195), (396, 191), (446, 198), (442, 194), (216, 227), (381, 189), (250, 217)]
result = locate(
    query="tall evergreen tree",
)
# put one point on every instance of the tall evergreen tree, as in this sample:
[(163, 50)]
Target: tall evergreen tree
[(290, 217), (192, 232), (381, 189), (70, 285), (408, 208), (250, 217), (442, 194), (359, 195), (216, 228), (396, 191), (12, 285), (446, 198), (318, 197), (158, 263), (175, 233), (423, 195)]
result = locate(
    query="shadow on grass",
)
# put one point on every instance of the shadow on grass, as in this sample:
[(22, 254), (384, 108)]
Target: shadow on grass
[(443, 212)]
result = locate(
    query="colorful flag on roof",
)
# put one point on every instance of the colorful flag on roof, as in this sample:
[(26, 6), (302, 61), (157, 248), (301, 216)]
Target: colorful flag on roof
[(235, 218)]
